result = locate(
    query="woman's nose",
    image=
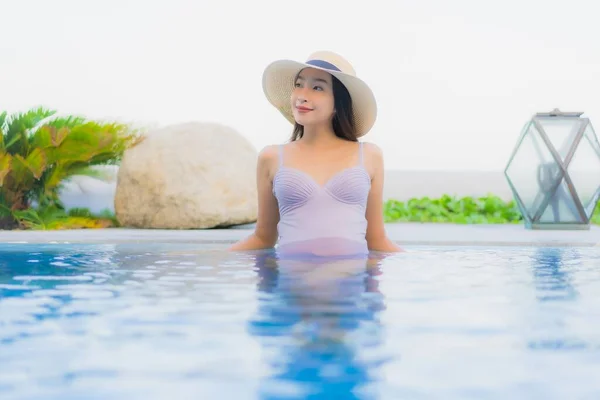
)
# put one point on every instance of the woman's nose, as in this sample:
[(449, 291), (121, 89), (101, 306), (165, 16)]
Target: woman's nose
[(301, 95)]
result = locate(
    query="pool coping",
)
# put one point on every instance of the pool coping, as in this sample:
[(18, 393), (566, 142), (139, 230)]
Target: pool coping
[(408, 234)]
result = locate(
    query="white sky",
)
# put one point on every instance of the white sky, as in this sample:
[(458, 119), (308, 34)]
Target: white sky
[(455, 80)]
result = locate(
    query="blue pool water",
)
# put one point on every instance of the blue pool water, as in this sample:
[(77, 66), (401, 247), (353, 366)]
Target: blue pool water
[(167, 321)]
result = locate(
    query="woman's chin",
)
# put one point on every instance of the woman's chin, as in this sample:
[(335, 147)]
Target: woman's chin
[(306, 120)]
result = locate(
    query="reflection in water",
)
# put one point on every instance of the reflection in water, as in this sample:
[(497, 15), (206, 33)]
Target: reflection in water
[(551, 274), (317, 320), (158, 321), (553, 282)]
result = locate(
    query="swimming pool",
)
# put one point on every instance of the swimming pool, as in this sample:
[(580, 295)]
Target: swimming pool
[(175, 321)]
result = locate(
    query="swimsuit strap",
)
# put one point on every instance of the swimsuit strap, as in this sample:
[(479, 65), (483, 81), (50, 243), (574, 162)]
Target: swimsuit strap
[(360, 153), (281, 155)]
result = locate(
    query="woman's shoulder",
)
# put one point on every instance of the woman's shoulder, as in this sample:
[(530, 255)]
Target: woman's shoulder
[(372, 151), (268, 159), (269, 152), (373, 158)]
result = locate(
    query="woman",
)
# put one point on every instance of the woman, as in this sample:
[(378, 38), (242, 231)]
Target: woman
[(320, 194)]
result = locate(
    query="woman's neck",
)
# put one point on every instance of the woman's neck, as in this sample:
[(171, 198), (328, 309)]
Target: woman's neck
[(319, 136)]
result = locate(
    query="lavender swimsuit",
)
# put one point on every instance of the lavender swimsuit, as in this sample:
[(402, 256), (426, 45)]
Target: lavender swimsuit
[(322, 220)]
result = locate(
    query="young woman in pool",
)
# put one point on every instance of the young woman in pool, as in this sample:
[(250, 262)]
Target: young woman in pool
[(321, 193)]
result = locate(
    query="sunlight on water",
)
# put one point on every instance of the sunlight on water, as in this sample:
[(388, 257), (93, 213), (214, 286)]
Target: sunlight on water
[(177, 321)]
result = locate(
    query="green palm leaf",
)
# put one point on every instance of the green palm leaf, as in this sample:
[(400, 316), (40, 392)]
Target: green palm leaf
[(39, 151), (21, 125)]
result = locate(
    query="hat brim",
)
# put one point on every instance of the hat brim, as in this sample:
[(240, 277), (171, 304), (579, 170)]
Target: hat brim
[(278, 84)]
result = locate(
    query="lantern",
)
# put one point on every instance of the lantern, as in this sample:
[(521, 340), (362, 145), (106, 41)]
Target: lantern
[(554, 171)]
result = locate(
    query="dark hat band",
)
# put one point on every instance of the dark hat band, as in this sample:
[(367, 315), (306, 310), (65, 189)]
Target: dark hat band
[(323, 64)]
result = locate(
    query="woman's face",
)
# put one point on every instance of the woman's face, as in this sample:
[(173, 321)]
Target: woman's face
[(312, 98)]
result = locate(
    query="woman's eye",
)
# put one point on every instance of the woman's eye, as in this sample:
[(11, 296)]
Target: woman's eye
[(318, 88)]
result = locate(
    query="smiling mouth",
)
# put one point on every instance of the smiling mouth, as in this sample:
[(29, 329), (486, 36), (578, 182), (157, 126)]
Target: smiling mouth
[(303, 109)]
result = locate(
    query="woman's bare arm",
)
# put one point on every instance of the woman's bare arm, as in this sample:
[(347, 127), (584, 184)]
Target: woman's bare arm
[(265, 234), (377, 239)]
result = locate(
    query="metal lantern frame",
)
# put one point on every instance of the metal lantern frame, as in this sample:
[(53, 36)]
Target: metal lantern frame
[(557, 174)]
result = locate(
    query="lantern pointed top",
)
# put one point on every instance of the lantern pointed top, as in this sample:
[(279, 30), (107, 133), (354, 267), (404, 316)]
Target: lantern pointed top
[(557, 113)]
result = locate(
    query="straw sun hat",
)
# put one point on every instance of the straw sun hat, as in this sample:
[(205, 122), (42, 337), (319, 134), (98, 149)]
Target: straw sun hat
[(278, 84)]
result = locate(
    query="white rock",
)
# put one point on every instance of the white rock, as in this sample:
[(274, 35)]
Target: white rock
[(186, 176)]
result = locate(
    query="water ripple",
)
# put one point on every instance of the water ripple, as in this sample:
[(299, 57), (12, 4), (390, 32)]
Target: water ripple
[(178, 321)]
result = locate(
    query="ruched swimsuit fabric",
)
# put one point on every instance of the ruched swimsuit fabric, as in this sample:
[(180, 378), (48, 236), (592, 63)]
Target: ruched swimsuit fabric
[(322, 220)]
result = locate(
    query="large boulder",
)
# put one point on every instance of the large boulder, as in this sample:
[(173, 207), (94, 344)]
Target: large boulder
[(188, 176)]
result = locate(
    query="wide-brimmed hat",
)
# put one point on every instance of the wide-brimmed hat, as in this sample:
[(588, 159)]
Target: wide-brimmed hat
[(278, 84)]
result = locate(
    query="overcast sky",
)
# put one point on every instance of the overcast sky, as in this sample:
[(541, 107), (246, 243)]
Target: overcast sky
[(455, 80)]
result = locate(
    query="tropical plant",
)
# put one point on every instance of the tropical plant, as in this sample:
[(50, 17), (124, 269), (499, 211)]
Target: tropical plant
[(53, 217), (39, 150)]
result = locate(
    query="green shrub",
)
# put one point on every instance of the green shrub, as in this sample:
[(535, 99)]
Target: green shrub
[(52, 218), (489, 209), (38, 151), (466, 210)]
